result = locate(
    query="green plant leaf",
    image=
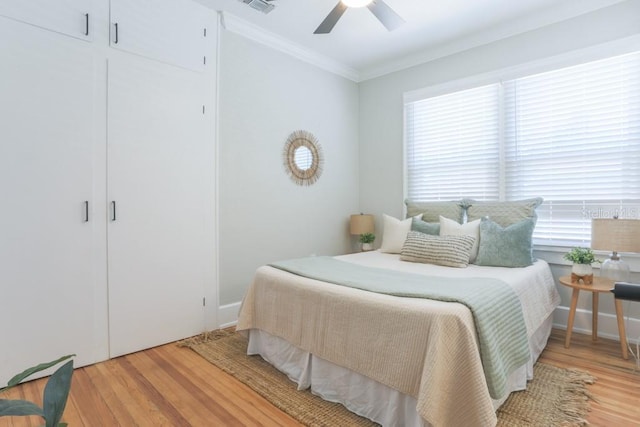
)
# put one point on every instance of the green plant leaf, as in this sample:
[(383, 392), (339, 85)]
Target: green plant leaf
[(579, 255), (19, 408), (55, 394), (367, 238), (28, 372)]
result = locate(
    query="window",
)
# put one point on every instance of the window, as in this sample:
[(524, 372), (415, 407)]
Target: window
[(571, 136), (453, 139)]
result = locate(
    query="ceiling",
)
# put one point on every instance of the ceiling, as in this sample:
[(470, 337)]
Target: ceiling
[(433, 28)]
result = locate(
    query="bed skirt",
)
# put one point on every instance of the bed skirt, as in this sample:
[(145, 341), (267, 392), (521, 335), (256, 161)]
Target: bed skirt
[(360, 394)]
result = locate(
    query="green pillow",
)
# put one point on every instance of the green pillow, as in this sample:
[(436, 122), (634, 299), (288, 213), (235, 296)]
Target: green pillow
[(504, 213), (432, 228), (510, 246), (431, 211)]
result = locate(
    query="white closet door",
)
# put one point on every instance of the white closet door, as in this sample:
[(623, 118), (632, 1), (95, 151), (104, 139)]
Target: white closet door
[(70, 17), (47, 288), (159, 168), (171, 31)]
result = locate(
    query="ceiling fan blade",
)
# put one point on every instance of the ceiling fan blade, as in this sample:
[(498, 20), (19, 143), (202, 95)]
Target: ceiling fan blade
[(332, 18), (385, 14)]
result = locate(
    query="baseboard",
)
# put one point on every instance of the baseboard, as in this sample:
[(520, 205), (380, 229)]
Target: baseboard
[(228, 315), (607, 323)]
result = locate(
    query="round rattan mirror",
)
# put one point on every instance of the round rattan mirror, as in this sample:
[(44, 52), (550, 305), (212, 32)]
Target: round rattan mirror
[(303, 159)]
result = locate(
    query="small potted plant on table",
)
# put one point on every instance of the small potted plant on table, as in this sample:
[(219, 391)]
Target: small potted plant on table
[(367, 240), (582, 259)]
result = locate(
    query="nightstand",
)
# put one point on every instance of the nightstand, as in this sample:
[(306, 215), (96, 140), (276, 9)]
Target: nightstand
[(600, 284)]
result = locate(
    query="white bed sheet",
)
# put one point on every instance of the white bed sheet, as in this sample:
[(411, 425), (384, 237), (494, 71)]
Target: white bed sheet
[(360, 394), (534, 286)]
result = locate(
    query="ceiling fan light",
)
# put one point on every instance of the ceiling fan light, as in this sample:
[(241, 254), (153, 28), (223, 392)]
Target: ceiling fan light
[(356, 3)]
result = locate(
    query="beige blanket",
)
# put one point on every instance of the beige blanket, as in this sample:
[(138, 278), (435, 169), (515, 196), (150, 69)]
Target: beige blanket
[(423, 348)]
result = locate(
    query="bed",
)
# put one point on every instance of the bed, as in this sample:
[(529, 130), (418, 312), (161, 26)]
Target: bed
[(398, 359)]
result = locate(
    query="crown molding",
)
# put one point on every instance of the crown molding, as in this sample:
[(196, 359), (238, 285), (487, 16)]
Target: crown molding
[(513, 28), (241, 27)]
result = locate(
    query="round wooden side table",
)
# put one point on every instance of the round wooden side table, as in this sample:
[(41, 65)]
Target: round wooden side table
[(600, 284)]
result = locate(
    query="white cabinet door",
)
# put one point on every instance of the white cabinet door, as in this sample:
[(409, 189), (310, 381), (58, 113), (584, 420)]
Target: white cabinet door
[(171, 31), (159, 174), (70, 17), (47, 286)]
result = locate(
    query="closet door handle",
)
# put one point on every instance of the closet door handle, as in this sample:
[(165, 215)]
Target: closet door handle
[(86, 211), (86, 24), (113, 213), (116, 40)]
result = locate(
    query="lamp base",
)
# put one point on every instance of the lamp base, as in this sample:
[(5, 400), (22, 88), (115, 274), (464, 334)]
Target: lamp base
[(616, 269)]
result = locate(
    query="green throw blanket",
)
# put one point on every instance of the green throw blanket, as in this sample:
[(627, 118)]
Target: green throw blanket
[(496, 309)]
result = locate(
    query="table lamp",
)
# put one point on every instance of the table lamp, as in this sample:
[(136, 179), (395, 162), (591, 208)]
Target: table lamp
[(615, 235), (361, 224)]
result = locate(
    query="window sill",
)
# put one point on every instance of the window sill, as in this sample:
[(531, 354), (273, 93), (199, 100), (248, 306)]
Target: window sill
[(555, 255)]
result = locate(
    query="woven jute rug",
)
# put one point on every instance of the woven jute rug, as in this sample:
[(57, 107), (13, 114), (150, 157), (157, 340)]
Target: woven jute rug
[(555, 397)]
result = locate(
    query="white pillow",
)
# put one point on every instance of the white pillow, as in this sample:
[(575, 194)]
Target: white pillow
[(449, 227), (394, 233)]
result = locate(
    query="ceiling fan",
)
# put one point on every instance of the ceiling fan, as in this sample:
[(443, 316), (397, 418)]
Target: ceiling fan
[(379, 8)]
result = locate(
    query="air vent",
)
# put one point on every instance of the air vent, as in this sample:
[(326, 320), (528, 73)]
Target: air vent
[(264, 6)]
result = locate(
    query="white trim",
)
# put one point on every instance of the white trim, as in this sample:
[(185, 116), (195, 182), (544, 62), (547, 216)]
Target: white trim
[(213, 323), (623, 49), (405, 175), (228, 315), (555, 255), (607, 323), (592, 53), (252, 32)]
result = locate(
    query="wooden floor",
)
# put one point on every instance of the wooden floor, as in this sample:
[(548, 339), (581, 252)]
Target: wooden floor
[(172, 386)]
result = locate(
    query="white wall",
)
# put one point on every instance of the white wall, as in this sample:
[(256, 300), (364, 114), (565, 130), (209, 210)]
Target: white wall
[(263, 216), (381, 107)]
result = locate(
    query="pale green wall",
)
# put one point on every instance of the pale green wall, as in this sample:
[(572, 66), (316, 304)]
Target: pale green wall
[(263, 216)]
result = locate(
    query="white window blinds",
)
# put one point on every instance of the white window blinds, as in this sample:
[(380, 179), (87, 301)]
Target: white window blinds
[(453, 139), (571, 136)]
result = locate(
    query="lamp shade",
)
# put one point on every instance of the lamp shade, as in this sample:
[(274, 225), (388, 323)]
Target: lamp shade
[(361, 224), (615, 235)]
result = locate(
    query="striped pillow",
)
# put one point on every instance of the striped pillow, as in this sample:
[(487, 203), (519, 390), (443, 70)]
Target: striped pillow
[(450, 251)]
